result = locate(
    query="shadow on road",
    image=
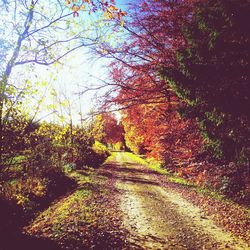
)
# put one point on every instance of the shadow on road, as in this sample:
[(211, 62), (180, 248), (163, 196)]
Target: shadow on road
[(131, 173), (130, 168)]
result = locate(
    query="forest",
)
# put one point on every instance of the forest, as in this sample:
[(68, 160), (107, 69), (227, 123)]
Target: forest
[(169, 89)]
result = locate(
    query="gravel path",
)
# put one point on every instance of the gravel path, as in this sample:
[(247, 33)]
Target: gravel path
[(159, 218)]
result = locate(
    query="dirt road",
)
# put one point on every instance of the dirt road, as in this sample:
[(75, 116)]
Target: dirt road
[(125, 206), (158, 218)]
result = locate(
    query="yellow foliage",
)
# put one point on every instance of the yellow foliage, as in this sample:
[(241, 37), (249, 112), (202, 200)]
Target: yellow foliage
[(97, 130), (133, 138), (20, 189), (99, 148)]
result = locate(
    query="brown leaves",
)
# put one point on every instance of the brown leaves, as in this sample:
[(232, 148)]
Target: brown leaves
[(231, 216), (85, 219)]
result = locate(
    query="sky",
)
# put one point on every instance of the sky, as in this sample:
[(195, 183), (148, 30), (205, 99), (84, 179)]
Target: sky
[(77, 70), (70, 78)]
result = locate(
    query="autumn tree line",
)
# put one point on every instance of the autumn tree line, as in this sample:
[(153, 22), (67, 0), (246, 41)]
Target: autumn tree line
[(182, 78)]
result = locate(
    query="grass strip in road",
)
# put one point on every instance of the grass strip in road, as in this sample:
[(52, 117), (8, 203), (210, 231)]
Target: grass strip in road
[(173, 178), (150, 162)]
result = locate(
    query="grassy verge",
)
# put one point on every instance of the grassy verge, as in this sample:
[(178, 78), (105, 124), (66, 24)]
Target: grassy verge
[(65, 214), (86, 218)]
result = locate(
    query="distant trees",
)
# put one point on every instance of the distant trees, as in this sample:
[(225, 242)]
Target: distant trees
[(158, 132), (108, 130)]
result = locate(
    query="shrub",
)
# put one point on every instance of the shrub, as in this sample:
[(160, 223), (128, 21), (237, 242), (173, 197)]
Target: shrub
[(98, 155)]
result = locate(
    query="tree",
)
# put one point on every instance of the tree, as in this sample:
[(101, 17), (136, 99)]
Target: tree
[(147, 104), (160, 133), (213, 76), (148, 41)]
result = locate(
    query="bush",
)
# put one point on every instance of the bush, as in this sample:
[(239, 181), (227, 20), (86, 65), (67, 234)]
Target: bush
[(98, 155), (235, 183), (22, 197)]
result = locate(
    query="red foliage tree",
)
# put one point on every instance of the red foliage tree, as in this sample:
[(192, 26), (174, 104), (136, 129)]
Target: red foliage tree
[(149, 106)]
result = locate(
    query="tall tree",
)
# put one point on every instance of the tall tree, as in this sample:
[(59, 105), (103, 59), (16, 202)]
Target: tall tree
[(152, 33), (152, 125), (213, 75)]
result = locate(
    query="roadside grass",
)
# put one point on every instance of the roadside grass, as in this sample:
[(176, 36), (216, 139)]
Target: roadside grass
[(208, 191), (178, 180), (81, 177), (80, 219), (65, 214), (85, 218)]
